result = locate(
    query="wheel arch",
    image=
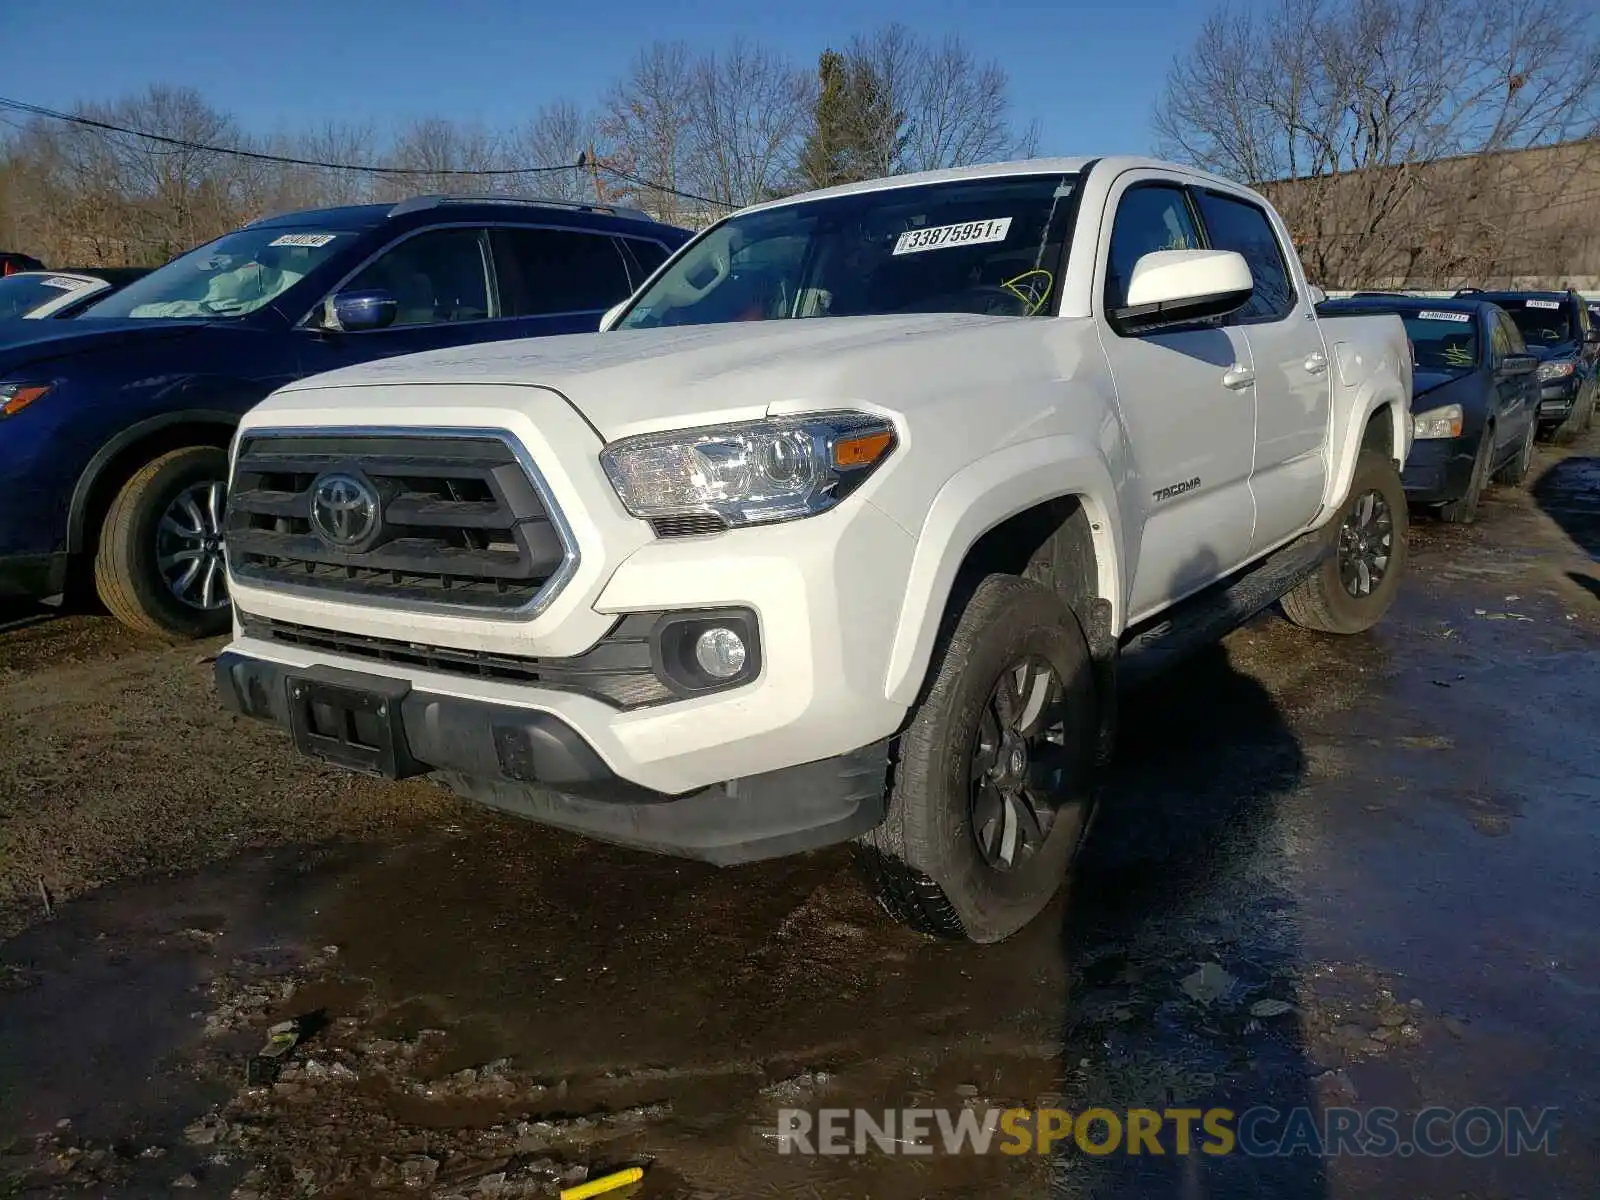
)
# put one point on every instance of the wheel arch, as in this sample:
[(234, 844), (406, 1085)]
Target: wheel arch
[(115, 463), (1044, 509)]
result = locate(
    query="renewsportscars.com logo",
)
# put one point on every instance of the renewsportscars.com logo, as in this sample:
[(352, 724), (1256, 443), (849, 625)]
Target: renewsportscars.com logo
[(1260, 1132)]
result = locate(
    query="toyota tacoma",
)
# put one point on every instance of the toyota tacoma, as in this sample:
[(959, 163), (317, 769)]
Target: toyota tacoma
[(846, 526)]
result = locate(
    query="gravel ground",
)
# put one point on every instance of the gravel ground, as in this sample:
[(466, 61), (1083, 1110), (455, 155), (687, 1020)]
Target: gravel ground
[(1329, 871), (118, 762)]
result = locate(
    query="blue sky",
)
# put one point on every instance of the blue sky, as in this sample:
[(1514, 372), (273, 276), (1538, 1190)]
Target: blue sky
[(1088, 71)]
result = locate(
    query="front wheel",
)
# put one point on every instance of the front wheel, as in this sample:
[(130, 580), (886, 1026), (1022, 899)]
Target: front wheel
[(1355, 584), (159, 567), (991, 792)]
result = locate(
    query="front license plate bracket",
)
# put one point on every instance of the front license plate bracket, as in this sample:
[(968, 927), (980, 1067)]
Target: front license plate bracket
[(351, 720)]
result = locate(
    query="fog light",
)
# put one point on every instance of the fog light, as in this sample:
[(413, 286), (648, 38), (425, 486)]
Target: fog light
[(720, 652)]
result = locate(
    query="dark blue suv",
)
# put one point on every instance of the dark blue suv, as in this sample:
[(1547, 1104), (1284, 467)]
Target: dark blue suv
[(114, 425)]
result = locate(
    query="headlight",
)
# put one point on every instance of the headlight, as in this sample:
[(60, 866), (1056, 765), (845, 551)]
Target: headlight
[(750, 473), (1442, 422), (14, 397), (1555, 370)]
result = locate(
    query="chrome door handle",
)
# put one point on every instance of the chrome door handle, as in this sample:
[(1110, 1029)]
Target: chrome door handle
[(1238, 377), (1317, 363)]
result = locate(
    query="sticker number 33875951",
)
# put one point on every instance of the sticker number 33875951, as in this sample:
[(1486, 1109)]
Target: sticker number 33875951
[(941, 237)]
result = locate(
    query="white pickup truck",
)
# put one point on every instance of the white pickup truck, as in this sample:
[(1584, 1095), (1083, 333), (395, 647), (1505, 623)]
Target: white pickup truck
[(846, 527)]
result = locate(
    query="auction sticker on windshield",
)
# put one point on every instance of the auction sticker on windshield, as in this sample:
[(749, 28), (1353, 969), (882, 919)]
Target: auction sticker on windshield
[(1543, 304), (1430, 315), (65, 284), (942, 237), (313, 240)]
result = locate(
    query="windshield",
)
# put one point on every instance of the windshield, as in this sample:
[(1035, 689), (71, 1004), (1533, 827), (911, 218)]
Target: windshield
[(989, 246), (1543, 322), (23, 294), (1442, 341), (229, 277)]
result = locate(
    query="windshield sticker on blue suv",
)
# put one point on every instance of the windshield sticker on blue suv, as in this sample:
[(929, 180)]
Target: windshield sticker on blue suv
[(942, 237), (1430, 315), (313, 240), (1543, 304)]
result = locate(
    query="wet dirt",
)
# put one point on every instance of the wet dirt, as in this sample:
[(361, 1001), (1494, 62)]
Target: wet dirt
[(1328, 871)]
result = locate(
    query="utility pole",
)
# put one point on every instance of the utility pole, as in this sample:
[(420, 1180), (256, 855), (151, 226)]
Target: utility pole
[(589, 159)]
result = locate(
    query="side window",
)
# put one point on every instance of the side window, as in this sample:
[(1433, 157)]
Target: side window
[(1238, 225), (1148, 219), (1513, 335), (1499, 343), (646, 256), (548, 271), (433, 276)]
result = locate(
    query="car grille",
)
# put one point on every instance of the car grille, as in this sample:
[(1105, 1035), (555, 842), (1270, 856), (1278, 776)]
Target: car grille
[(461, 523), (616, 669)]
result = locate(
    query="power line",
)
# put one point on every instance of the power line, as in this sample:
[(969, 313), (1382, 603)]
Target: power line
[(261, 155), (37, 110)]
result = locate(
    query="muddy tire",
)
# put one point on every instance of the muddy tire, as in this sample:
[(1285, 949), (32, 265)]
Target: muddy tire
[(1334, 599), (1515, 473), (1464, 509), (166, 518), (991, 790)]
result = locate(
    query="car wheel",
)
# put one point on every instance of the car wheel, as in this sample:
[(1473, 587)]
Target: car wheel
[(1355, 584), (991, 789), (159, 567), (1515, 473), (1464, 509)]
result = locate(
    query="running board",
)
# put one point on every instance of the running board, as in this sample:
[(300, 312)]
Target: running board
[(1153, 646)]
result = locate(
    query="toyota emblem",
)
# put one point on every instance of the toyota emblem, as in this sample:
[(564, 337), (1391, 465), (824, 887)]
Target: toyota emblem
[(344, 509)]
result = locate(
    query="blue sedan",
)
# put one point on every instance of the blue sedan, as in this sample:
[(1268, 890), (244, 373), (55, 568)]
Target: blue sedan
[(1475, 398)]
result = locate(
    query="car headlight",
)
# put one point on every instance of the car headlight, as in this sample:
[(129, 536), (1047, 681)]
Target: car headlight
[(14, 397), (1555, 370), (748, 473), (1442, 422)]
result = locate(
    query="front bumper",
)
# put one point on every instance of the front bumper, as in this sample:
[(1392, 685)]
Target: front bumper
[(1557, 398), (535, 764), (1439, 470)]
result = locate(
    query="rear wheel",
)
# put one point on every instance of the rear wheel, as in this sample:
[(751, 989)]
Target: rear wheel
[(159, 567), (1464, 510), (1354, 586), (991, 791)]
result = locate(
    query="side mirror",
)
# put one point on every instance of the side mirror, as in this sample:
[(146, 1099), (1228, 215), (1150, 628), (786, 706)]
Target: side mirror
[(612, 314), (1518, 364), (354, 312), (1173, 287), (1317, 295)]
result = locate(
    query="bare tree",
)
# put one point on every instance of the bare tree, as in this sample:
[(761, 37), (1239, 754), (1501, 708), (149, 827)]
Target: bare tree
[(647, 122), (747, 120), (556, 137), (1379, 125), (443, 155), (950, 108)]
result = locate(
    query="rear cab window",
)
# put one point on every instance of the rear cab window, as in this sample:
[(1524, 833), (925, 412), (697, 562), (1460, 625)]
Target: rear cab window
[(547, 272), (1233, 223)]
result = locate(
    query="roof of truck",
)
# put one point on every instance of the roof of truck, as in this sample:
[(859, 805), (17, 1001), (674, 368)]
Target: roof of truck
[(1022, 166)]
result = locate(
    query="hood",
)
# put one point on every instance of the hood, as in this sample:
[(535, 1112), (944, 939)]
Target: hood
[(641, 380), (1559, 350), (1425, 381), (23, 342)]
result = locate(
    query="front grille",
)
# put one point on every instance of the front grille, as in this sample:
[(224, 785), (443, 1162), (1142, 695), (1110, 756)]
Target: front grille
[(616, 669), (461, 524)]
